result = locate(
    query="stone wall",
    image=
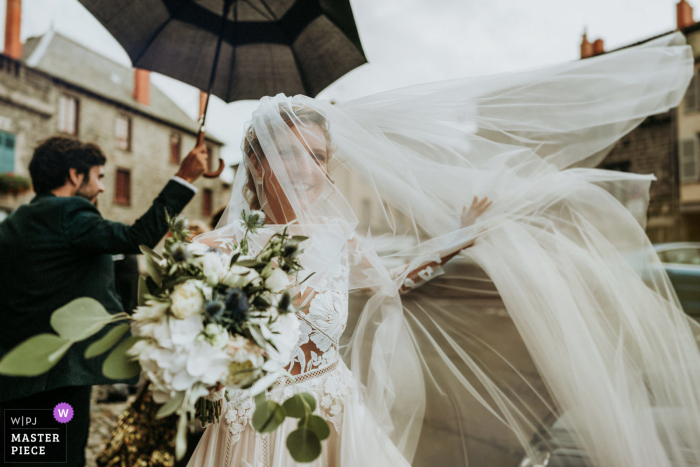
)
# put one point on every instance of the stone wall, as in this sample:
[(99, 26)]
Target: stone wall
[(28, 109), (652, 148)]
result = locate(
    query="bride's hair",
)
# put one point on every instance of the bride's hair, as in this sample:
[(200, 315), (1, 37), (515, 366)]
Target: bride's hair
[(252, 148)]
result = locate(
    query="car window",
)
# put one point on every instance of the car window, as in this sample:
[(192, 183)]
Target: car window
[(681, 256)]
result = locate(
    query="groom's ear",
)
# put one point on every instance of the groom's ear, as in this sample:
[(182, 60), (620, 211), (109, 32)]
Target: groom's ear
[(75, 178)]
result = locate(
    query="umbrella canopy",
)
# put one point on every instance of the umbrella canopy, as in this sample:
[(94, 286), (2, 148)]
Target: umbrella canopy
[(268, 47)]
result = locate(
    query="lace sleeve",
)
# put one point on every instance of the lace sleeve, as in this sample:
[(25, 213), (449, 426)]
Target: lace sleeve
[(407, 277)]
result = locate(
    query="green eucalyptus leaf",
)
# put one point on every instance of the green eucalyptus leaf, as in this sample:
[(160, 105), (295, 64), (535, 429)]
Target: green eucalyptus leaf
[(80, 319), (150, 253), (172, 405), (118, 365), (299, 238), (107, 341), (155, 272), (295, 405), (303, 445), (268, 417), (142, 291), (35, 356), (316, 424), (260, 398), (234, 258)]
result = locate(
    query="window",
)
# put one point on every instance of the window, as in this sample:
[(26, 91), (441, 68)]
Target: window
[(681, 256), (122, 194), (68, 115), (175, 148), (7, 152), (123, 132), (366, 213), (206, 202), (688, 159)]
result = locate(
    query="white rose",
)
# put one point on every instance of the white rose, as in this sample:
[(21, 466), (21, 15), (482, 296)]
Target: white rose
[(239, 276), (187, 299), (213, 267), (277, 281)]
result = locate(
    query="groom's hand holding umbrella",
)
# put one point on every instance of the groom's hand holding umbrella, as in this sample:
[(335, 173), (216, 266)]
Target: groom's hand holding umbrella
[(195, 164)]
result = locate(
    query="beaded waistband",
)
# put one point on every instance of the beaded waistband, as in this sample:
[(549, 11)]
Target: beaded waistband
[(307, 376)]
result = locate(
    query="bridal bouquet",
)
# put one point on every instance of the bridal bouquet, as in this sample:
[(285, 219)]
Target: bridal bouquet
[(206, 320)]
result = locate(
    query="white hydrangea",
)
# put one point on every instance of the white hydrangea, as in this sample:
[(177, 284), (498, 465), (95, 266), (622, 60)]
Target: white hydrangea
[(214, 267)]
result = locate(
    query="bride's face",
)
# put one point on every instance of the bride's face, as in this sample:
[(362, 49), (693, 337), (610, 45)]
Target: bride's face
[(305, 163)]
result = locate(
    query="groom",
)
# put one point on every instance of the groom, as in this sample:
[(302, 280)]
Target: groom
[(59, 248)]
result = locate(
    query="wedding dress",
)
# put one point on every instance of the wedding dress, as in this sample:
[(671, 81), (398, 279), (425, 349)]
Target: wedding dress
[(595, 333), (355, 439)]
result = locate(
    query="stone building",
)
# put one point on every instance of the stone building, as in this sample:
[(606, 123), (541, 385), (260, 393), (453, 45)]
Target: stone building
[(667, 145), (53, 86)]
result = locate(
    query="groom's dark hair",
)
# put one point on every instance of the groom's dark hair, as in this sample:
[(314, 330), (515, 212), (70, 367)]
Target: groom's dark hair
[(54, 157)]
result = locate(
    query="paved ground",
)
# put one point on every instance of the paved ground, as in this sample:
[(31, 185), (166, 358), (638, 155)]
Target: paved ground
[(103, 418)]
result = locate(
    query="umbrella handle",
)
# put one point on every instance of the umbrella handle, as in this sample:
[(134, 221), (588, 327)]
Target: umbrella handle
[(217, 172)]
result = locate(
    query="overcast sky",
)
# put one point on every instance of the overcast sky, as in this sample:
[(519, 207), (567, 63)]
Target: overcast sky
[(407, 42)]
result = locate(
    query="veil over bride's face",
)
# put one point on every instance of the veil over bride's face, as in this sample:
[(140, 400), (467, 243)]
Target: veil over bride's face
[(296, 175)]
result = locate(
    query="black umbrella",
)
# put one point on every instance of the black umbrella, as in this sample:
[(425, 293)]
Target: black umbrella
[(237, 49)]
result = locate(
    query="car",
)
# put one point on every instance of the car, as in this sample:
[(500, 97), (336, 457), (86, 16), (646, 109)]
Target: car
[(682, 264), (557, 446)]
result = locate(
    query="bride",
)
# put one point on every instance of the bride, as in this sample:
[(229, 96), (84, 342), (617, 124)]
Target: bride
[(602, 340)]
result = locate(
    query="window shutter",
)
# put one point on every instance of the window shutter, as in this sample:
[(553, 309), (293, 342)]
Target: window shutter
[(689, 165), (691, 95), (122, 193), (206, 202), (175, 148)]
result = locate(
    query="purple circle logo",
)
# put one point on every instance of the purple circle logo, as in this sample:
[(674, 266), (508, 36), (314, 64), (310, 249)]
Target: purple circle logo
[(63, 412)]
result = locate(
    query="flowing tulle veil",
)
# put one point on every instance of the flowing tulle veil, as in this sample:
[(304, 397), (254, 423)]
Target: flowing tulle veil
[(605, 340)]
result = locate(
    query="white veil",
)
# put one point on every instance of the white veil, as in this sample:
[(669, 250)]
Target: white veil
[(600, 334)]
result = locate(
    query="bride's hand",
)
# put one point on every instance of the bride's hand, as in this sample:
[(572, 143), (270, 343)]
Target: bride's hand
[(470, 215)]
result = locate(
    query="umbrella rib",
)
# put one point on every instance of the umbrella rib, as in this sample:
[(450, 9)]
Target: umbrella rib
[(152, 39), (262, 13), (269, 10)]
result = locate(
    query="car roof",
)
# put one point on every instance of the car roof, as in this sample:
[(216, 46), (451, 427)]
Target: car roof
[(675, 246)]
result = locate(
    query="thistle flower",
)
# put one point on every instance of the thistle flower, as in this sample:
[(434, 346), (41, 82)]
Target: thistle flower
[(253, 220), (284, 302), (237, 305), (179, 252), (290, 249), (215, 310)]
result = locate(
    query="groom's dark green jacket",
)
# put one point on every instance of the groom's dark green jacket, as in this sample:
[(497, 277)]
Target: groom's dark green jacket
[(57, 249)]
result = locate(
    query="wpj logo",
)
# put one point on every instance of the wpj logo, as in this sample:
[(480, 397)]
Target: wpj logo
[(36, 435)]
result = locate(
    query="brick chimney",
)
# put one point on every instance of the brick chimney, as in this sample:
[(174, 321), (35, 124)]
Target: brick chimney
[(684, 14), (13, 23), (598, 47), (142, 86), (586, 47)]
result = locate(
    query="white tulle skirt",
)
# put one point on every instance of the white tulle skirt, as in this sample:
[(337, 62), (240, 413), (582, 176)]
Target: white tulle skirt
[(355, 440)]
